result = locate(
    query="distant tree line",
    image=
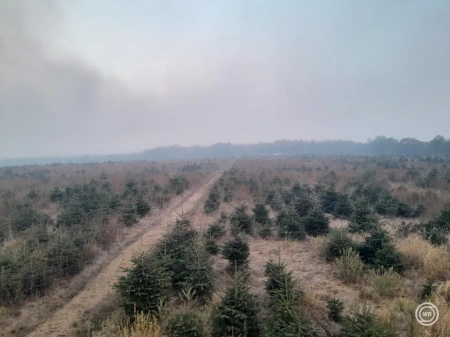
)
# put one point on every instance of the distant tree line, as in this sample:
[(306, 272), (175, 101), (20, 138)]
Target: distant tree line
[(438, 146)]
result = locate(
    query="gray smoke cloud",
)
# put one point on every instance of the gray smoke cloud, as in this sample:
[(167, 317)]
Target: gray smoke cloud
[(341, 70), (52, 105)]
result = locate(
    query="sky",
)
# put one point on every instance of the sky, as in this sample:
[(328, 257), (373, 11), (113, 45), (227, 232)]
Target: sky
[(114, 76)]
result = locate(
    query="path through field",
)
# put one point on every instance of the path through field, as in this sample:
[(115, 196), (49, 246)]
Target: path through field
[(61, 322)]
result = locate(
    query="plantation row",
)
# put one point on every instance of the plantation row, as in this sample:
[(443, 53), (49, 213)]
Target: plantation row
[(36, 250), (391, 250), (174, 290), (426, 173), (362, 252), (180, 265), (301, 208)]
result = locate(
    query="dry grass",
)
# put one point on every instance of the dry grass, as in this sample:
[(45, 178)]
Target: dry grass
[(414, 249), (312, 299), (106, 319), (338, 223), (444, 291), (400, 313), (384, 284), (313, 275), (431, 261), (349, 266), (442, 326), (143, 326), (318, 245)]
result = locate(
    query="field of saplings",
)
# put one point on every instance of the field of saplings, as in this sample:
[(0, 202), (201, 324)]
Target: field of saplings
[(304, 246), (57, 220)]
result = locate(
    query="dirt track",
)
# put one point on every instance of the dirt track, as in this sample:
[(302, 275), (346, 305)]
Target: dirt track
[(61, 322)]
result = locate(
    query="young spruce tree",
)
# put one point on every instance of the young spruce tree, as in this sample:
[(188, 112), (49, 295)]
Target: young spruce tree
[(146, 284), (236, 315)]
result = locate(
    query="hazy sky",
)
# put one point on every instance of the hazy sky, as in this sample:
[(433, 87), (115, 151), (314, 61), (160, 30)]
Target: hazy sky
[(113, 76)]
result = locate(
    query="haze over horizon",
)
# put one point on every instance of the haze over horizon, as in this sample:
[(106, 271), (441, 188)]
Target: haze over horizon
[(103, 77)]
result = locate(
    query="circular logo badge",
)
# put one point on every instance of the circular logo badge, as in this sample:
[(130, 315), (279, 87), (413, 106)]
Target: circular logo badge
[(427, 314)]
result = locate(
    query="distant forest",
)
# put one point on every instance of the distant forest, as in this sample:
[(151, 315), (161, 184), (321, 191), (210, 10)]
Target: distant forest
[(437, 147)]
